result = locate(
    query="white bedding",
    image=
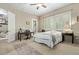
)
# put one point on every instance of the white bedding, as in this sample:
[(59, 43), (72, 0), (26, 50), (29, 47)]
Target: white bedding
[(50, 38)]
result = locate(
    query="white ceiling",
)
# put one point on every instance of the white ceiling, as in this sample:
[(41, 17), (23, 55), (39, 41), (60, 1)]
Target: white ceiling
[(32, 9)]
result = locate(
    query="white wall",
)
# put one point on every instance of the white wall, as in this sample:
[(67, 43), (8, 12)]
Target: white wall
[(74, 13), (20, 17)]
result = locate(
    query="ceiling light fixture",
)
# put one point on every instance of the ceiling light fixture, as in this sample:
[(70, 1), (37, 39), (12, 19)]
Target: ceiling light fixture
[(39, 5)]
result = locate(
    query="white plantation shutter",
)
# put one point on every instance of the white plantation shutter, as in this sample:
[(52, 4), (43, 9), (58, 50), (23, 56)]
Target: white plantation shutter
[(57, 22)]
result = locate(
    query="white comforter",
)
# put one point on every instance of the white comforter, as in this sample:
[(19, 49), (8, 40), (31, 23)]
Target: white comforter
[(50, 38)]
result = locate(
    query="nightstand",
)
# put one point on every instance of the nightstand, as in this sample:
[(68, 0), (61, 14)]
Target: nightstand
[(69, 34)]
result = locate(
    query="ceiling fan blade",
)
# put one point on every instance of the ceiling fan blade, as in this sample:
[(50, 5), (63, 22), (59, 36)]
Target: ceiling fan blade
[(44, 6), (33, 4)]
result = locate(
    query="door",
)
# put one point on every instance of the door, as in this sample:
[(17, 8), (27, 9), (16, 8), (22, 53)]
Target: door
[(34, 25), (11, 27)]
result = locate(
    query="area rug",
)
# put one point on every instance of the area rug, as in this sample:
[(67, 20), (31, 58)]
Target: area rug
[(17, 48), (21, 48)]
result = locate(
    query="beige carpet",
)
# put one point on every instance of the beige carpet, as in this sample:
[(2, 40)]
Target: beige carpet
[(17, 48), (29, 47), (5, 48), (59, 49)]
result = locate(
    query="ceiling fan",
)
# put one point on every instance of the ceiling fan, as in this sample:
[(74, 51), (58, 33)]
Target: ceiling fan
[(38, 5)]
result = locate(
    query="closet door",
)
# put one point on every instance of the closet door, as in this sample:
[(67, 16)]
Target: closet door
[(11, 27)]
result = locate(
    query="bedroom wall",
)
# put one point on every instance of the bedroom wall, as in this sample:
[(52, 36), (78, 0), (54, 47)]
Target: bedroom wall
[(74, 13), (72, 7), (20, 17)]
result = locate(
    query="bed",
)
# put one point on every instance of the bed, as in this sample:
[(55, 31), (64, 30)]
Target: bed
[(50, 38)]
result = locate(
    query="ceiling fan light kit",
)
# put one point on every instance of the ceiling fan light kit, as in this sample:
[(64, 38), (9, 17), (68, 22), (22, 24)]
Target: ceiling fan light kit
[(39, 5)]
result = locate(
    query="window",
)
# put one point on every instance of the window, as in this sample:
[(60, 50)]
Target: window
[(57, 22)]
